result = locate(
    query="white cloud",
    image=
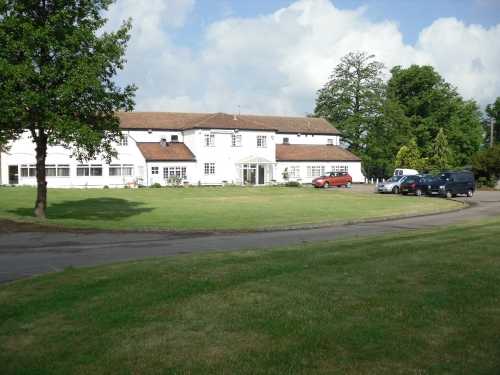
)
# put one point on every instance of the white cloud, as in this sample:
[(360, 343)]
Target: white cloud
[(275, 63)]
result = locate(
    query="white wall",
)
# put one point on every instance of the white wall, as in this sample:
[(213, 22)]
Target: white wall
[(23, 152), (353, 168), (224, 155)]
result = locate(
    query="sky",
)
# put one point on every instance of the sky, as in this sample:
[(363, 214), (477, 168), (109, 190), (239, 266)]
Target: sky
[(271, 56)]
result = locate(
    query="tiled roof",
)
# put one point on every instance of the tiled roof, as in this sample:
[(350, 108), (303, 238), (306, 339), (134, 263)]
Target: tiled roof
[(313, 153), (153, 151), (184, 121)]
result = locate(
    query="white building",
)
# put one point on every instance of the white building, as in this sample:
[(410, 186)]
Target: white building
[(205, 149)]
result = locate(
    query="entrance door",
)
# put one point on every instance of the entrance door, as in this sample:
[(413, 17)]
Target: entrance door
[(261, 174), (13, 175), (249, 174)]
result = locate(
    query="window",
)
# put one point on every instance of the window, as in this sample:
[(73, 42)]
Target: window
[(128, 170), (235, 140), (174, 138), (82, 170), (294, 172), (28, 170), (124, 141), (209, 140), (154, 170), (329, 141), (174, 171), (315, 171), (209, 168), (115, 170), (340, 168), (50, 170), (286, 140), (261, 141), (96, 170), (63, 170)]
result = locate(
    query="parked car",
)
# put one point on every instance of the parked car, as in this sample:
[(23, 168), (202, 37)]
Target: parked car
[(450, 184), (416, 184), (333, 179), (392, 185), (405, 172)]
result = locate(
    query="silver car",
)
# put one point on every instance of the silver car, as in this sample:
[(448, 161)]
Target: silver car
[(392, 185)]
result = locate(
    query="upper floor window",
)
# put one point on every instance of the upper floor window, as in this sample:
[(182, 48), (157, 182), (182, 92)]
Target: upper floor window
[(124, 141), (261, 141), (209, 168), (209, 140), (236, 140)]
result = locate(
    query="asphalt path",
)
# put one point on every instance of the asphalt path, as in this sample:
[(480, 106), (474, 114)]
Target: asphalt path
[(28, 253)]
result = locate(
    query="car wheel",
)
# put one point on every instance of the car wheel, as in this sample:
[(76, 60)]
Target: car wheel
[(470, 193), (326, 185), (448, 194), (395, 190), (418, 192)]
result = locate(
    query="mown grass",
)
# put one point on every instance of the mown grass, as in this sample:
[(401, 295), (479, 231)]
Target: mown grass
[(425, 302), (229, 208)]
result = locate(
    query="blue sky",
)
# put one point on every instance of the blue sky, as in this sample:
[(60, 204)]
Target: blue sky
[(411, 15), (271, 56)]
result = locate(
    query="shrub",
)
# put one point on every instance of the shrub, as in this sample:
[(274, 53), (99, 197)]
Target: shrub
[(105, 187), (490, 182), (293, 184), (156, 185)]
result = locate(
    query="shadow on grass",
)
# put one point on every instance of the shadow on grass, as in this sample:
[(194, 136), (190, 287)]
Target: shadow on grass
[(112, 209)]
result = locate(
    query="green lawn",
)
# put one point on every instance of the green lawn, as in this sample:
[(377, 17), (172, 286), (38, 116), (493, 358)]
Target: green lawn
[(418, 303), (228, 208)]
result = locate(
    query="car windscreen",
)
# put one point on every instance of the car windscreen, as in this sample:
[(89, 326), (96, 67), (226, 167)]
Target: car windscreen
[(394, 179)]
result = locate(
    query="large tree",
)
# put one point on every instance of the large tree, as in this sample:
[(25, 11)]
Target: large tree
[(430, 103), (493, 114), (56, 78), (352, 99)]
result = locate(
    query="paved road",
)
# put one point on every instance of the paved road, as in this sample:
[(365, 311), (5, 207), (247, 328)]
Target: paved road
[(29, 253)]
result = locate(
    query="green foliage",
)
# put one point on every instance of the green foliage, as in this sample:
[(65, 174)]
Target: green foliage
[(353, 97), (156, 185), (431, 104), (492, 113), (440, 153), (486, 164), (409, 156), (293, 184), (56, 77)]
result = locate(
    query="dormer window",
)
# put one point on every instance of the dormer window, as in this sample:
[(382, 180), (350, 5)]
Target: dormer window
[(329, 141), (150, 131), (174, 138), (261, 141), (286, 141), (124, 141)]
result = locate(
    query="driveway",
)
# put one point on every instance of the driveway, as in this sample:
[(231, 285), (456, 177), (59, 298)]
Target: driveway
[(29, 253)]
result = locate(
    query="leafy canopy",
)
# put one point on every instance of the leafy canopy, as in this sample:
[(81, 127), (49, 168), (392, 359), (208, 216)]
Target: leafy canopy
[(353, 97), (56, 74)]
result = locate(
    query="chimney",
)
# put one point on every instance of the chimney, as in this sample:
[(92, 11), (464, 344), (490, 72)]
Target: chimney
[(163, 142)]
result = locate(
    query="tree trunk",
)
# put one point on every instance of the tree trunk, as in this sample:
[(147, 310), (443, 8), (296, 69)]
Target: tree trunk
[(41, 194)]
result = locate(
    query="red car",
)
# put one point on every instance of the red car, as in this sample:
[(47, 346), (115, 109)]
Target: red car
[(333, 179)]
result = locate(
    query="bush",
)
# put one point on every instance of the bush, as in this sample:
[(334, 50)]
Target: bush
[(156, 185), (105, 187), (293, 184), (490, 182), (486, 164)]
